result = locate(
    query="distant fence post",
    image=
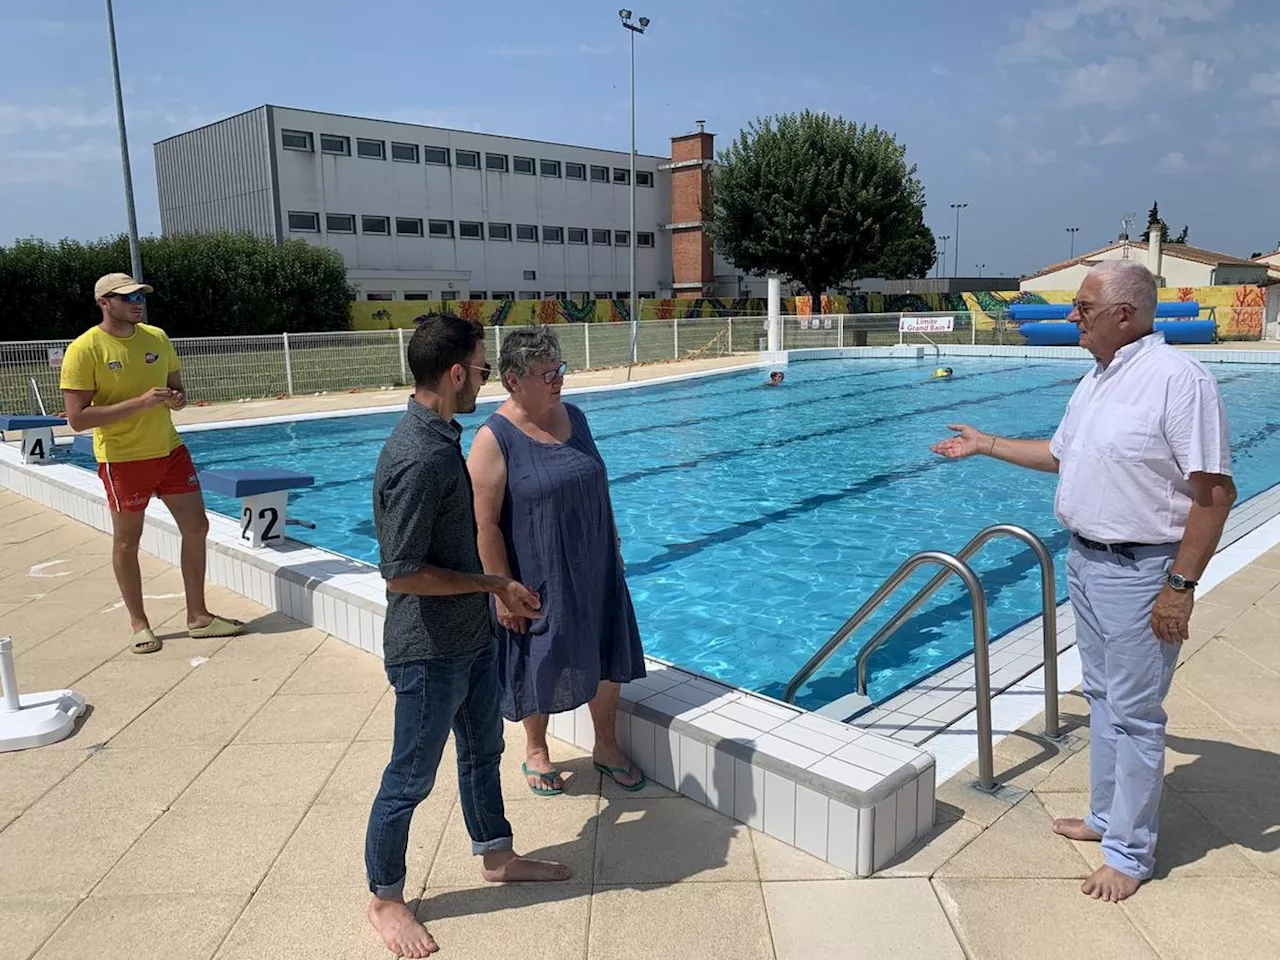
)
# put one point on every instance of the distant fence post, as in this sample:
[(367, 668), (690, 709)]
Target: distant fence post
[(586, 343), (840, 335), (404, 374), (731, 336), (288, 366), (973, 328), (675, 338)]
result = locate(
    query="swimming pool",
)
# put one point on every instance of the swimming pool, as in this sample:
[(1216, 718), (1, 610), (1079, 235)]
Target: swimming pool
[(755, 520)]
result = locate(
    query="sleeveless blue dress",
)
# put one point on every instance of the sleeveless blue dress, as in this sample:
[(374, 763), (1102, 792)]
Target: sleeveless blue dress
[(562, 542)]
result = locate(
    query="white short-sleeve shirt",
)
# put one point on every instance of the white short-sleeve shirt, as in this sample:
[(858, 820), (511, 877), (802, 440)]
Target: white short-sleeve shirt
[(1133, 434)]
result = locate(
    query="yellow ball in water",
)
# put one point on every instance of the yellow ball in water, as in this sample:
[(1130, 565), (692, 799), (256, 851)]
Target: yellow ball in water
[(942, 373)]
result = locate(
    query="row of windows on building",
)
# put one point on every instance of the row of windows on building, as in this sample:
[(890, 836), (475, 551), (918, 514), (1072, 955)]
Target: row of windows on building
[(302, 140), (305, 221), (578, 295)]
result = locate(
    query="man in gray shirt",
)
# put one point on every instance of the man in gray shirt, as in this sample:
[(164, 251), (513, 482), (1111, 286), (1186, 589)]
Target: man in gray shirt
[(440, 651)]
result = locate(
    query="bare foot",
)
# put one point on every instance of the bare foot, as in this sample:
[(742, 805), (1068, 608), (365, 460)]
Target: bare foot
[(1074, 828), (613, 757), (400, 929), (505, 866), (1110, 885)]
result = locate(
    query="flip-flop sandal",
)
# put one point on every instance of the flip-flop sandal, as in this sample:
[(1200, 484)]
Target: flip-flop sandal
[(613, 772), (549, 777), (144, 641), (216, 628)]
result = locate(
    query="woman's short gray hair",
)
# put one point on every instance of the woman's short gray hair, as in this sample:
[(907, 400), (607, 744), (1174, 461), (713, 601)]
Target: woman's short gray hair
[(1128, 281), (524, 346)]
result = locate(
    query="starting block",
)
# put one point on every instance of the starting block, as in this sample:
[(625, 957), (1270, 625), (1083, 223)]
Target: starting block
[(37, 435), (263, 494), (33, 719)]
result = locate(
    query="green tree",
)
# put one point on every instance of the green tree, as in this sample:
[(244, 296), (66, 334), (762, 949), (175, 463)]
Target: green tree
[(205, 286), (820, 201), (1154, 219)]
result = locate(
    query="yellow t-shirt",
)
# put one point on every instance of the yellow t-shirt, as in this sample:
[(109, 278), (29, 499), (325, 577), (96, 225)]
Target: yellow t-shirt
[(117, 370)]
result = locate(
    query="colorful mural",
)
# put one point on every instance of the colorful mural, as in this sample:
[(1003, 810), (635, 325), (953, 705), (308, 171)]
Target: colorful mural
[(1238, 310)]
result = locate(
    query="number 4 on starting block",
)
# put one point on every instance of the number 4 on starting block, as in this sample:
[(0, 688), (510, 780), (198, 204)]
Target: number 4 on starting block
[(37, 435), (264, 498)]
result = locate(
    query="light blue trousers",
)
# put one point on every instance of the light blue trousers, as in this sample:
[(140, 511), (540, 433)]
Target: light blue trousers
[(1127, 672)]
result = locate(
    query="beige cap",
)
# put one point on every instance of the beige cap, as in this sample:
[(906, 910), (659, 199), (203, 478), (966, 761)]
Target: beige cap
[(118, 283)]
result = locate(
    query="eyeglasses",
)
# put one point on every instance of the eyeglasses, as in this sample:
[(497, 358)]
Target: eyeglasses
[(136, 297), (551, 376), (1085, 309), (485, 372)]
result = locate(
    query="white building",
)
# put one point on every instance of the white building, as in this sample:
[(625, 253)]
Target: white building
[(1175, 264), (422, 212)]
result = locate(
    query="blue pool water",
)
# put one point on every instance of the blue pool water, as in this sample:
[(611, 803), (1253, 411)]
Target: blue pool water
[(755, 520)]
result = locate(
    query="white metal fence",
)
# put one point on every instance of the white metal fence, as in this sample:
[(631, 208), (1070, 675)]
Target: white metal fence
[(235, 368)]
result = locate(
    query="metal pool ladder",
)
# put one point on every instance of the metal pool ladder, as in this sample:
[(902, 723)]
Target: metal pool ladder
[(957, 564)]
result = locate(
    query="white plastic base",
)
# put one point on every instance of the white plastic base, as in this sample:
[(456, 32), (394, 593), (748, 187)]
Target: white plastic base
[(42, 719)]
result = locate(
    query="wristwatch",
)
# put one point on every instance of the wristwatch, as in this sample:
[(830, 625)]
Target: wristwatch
[(1180, 583)]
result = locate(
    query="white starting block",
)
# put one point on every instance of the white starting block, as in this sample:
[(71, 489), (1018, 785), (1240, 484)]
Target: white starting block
[(33, 719), (37, 435), (264, 496)]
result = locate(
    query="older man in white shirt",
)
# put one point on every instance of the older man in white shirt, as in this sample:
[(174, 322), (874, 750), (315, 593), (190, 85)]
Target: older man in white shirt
[(1144, 485)]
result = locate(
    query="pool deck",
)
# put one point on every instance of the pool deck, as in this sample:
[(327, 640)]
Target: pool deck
[(127, 840), (213, 804)]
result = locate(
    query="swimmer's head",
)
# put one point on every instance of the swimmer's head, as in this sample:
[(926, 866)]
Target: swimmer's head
[(777, 377)]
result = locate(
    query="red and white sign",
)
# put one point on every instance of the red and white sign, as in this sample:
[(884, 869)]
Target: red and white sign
[(55, 357), (926, 324)]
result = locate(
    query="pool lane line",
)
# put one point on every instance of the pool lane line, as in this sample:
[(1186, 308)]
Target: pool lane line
[(732, 454), (810, 400)]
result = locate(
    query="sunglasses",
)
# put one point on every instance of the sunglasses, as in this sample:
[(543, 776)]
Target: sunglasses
[(136, 297), (551, 376), (485, 372)]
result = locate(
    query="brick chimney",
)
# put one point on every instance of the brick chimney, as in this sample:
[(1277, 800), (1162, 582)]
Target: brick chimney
[(692, 256)]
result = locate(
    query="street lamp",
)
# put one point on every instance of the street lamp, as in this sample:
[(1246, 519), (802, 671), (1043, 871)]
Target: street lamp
[(957, 207), (1073, 231), (981, 267), (942, 257), (638, 27), (135, 253)]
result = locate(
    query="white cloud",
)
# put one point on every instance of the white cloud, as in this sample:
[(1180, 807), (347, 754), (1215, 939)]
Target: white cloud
[(1116, 81), (980, 158), (1038, 157), (24, 118), (1200, 77), (596, 50), (1266, 84), (1271, 114), (1007, 121), (938, 70), (1116, 136), (1173, 162)]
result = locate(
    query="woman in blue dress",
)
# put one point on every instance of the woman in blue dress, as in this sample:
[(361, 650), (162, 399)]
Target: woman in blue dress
[(544, 517)]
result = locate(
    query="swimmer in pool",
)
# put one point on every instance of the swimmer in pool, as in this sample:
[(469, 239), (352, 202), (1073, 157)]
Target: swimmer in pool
[(942, 373), (775, 379)]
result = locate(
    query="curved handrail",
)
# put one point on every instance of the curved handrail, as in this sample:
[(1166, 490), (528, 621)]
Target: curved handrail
[(981, 660), (1048, 604)]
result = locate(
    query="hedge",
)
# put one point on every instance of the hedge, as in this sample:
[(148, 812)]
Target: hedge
[(208, 285)]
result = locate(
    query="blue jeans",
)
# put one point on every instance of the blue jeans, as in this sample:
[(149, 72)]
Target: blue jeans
[(1127, 672), (432, 697)]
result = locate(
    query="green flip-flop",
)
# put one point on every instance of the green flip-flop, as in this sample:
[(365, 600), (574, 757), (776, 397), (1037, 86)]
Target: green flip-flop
[(548, 777), (216, 629), (628, 771)]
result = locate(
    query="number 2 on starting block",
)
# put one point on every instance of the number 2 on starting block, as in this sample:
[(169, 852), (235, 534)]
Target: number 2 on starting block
[(262, 518)]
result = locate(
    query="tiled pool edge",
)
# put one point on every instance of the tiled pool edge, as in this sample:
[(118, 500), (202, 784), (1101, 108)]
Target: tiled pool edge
[(851, 798)]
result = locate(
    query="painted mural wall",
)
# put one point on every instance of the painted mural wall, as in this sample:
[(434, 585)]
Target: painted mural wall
[(1238, 310)]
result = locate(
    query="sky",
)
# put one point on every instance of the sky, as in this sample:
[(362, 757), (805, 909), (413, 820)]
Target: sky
[(1040, 115)]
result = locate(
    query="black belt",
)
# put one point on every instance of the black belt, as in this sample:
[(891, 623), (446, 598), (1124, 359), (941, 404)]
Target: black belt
[(1120, 549)]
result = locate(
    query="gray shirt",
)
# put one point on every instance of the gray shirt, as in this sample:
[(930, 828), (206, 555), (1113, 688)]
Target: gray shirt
[(423, 514)]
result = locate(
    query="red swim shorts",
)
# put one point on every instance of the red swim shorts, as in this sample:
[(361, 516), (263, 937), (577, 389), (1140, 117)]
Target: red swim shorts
[(130, 486)]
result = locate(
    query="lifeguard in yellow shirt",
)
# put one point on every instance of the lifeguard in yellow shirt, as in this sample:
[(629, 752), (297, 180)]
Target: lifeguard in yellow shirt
[(122, 379)]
